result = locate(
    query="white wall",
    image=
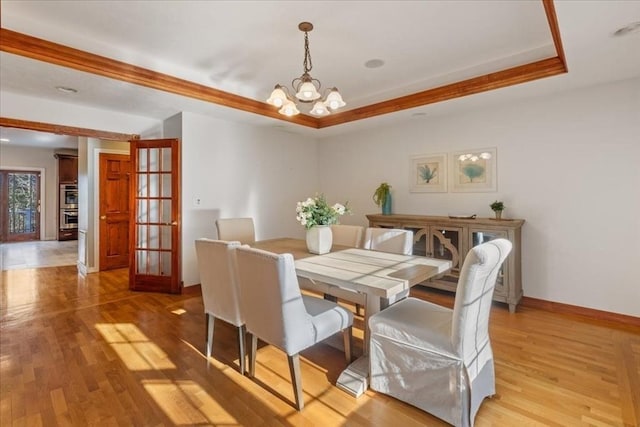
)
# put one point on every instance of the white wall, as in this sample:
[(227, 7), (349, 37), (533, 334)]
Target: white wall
[(37, 158), (237, 170), (567, 164), (45, 110)]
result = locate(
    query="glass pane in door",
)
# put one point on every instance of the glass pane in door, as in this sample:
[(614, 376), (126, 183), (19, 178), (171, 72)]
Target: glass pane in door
[(479, 237), (445, 244), (22, 203)]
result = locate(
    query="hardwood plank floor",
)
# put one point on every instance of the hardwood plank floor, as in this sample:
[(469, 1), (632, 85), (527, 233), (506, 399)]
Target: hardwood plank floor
[(38, 253), (87, 351)]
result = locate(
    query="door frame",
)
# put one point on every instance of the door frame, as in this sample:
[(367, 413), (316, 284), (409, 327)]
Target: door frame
[(96, 201), (43, 192)]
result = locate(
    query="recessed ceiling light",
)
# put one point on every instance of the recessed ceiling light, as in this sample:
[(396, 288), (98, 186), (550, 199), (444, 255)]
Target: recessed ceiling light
[(634, 27), (374, 63), (419, 114), (66, 89)]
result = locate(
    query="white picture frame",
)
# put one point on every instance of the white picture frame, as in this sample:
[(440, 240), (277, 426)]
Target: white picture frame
[(428, 173), (474, 170)]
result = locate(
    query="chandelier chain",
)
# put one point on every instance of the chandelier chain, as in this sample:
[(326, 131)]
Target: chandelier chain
[(307, 55)]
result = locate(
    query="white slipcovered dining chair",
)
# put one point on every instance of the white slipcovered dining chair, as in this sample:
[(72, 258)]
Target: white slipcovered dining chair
[(439, 359), (236, 229), (347, 235), (393, 240), (276, 312), (220, 291)]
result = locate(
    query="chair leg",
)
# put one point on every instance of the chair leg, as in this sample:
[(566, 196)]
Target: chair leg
[(253, 349), (209, 320), (241, 347), (294, 368), (347, 336)]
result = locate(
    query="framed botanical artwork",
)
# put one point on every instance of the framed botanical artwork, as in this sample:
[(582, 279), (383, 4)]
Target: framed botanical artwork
[(474, 170), (428, 173)]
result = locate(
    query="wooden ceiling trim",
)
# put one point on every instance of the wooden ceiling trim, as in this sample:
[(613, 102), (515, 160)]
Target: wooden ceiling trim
[(43, 50), (512, 76), (53, 53), (66, 130), (550, 11)]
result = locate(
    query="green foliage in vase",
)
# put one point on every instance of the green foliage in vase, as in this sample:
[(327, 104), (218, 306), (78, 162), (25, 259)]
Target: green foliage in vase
[(316, 211), (472, 171), (380, 194), (497, 206), (426, 173)]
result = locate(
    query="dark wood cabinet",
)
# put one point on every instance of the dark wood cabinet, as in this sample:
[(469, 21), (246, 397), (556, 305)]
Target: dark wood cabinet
[(67, 169), (67, 196), (71, 234)]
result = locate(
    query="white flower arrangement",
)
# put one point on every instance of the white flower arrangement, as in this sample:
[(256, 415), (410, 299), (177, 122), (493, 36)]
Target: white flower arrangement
[(316, 211)]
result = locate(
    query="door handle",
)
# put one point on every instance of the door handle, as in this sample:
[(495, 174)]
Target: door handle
[(174, 223), (103, 217)]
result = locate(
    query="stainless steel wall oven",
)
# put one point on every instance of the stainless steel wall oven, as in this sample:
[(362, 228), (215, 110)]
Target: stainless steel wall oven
[(68, 196)]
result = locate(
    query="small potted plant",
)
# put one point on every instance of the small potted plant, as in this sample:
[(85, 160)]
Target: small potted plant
[(382, 198), (497, 207)]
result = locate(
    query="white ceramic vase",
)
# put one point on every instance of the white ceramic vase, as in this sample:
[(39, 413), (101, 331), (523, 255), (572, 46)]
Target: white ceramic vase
[(319, 239)]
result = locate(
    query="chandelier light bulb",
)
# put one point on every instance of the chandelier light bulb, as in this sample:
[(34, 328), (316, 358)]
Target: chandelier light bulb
[(319, 109), (334, 99), (307, 92), (289, 109), (278, 97)]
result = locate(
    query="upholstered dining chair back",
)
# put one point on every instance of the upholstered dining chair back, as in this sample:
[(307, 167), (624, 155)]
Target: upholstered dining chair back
[(347, 235), (472, 306), (277, 312), (220, 291), (240, 229), (272, 300), (392, 240)]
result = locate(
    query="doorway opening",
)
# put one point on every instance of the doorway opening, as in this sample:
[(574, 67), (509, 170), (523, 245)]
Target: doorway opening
[(19, 206)]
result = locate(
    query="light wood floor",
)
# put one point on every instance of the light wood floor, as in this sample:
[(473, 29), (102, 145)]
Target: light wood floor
[(87, 351), (38, 253)]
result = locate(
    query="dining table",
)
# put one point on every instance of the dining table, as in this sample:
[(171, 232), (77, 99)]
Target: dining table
[(376, 275)]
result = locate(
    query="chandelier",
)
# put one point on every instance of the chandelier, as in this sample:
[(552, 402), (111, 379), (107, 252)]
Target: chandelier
[(306, 88)]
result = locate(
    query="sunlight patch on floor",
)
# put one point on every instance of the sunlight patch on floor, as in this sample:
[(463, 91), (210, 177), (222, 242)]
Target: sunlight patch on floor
[(134, 348), (186, 403)]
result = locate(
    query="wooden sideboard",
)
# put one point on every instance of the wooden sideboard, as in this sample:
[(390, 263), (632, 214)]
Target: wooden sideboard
[(451, 238)]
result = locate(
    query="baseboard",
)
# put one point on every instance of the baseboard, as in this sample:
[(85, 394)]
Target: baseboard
[(600, 315), (192, 290)]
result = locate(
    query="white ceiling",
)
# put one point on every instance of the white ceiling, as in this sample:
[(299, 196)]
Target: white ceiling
[(245, 47)]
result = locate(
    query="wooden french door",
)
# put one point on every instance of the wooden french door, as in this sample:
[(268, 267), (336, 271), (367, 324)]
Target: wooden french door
[(19, 206), (114, 187), (155, 220)]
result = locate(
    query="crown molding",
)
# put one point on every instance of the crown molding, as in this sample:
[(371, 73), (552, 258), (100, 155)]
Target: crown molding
[(66, 130), (53, 53)]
